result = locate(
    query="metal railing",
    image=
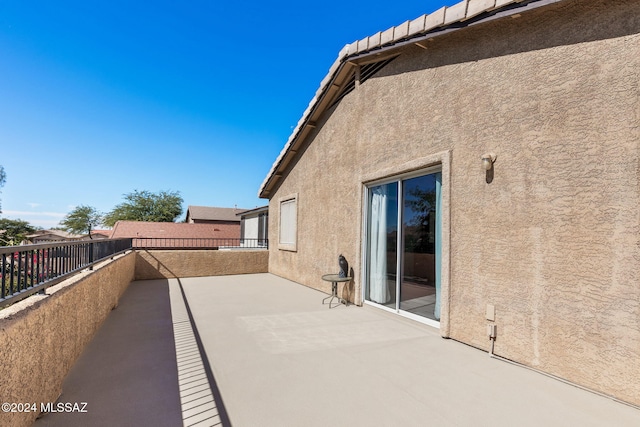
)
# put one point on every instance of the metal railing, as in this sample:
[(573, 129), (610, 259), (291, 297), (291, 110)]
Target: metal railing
[(28, 269), (198, 243)]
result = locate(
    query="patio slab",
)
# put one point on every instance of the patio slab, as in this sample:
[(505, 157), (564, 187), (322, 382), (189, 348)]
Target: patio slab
[(127, 375), (275, 356), (281, 358)]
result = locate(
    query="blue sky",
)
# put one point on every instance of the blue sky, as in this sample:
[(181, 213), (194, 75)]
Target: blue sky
[(98, 99)]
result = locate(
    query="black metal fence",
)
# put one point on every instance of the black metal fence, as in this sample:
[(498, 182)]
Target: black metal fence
[(28, 269), (198, 243)]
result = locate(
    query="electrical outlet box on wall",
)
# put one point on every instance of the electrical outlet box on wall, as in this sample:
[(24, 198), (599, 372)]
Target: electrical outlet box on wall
[(490, 312)]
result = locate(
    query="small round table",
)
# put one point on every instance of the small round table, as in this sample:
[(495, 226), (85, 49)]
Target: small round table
[(334, 279)]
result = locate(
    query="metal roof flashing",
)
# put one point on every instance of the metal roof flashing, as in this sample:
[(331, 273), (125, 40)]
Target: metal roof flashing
[(384, 44)]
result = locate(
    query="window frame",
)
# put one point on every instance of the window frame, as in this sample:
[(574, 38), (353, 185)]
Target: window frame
[(406, 170), (263, 228), (293, 245)]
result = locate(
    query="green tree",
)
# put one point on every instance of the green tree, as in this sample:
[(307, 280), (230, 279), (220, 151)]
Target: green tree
[(422, 204), (81, 220), (146, 206), (3, 179), (14, 231)]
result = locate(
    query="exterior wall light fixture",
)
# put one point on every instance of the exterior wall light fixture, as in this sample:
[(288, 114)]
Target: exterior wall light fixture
[(488, 160)]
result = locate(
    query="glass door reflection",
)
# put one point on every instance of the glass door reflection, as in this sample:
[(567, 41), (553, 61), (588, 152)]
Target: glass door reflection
[(419, 218), (403, 245)]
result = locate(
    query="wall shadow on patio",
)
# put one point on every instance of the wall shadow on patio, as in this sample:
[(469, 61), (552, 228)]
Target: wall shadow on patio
[(145, 365), (127, 374)]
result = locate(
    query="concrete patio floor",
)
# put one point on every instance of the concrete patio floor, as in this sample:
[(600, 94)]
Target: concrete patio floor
[(275, 356)]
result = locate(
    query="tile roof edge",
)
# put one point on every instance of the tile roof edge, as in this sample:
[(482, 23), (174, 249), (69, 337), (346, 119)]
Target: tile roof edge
[(441, 18), (342, 55)]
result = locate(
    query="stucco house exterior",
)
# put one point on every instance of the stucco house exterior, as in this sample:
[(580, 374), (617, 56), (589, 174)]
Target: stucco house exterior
[(479, 168), (254, 227)]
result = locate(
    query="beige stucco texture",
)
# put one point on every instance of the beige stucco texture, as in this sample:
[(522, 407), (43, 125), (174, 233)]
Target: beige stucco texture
[(160, 264), (42, 336), (552, 240)]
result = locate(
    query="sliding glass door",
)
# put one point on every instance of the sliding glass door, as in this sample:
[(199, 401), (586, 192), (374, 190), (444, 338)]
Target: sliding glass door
[(404, 234)]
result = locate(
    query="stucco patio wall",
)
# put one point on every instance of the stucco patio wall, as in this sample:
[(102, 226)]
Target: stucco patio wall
[(551, 239), (160, 264), (42, 336)]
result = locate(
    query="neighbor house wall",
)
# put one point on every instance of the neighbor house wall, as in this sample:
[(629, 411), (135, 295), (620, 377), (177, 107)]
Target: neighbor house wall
[(553, 240), (250, 227), (42, 336), (160, 264)]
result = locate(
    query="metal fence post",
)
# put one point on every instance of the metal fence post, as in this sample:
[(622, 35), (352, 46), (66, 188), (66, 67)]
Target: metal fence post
[(91, 256)]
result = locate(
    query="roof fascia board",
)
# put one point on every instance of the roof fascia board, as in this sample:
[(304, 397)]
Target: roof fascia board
[(254, 210), (302, 128), (513, 9)]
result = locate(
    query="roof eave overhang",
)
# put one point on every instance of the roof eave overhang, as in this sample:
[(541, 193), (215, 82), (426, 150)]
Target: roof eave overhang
[(372, 49), (259, 209)]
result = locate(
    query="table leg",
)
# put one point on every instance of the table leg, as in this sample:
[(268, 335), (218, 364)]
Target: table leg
[(334, 294)]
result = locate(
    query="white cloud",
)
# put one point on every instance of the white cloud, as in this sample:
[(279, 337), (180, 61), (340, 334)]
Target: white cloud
[(33, 213)]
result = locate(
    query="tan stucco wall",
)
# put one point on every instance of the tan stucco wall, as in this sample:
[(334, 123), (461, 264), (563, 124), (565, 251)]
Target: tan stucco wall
[(42, 336), (553, 241), (159, 264)]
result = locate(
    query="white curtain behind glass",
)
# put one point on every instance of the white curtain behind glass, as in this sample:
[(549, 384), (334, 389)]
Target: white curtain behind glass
[(378, 287)]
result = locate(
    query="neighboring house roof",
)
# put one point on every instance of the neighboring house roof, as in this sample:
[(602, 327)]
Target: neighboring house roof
[(133, 229), (210, 213), (97, 234), (253, 211), (384, 46), (56, 233), (37, 233)]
